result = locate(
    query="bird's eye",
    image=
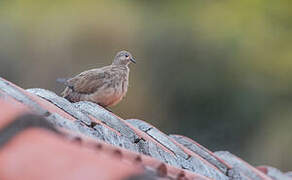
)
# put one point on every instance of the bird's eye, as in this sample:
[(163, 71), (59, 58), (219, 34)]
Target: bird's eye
[(126, 55)]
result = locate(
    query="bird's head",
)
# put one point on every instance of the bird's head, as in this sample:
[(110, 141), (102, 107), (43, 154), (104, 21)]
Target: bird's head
[(123, 58)]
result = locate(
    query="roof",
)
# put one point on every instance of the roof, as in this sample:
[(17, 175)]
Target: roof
[(44, 136)]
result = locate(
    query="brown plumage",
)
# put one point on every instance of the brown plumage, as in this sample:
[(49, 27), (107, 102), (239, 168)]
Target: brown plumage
[(105, 86)]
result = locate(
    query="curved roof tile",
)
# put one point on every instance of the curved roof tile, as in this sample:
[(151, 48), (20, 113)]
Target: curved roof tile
[(44, 136)]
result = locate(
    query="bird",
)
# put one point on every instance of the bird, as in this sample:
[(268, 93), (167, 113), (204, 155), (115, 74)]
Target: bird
[(105, 86)]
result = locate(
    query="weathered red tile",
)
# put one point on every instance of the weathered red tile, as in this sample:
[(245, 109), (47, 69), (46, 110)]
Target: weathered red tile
[(242, 166), (39, 154), (10, 109), (137, 158), (93, 119), (203, 152), (43, 104), (191, 153)]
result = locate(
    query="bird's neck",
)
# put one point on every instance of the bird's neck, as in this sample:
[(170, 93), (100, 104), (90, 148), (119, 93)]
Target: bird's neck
[(121, 67), (119, 63)]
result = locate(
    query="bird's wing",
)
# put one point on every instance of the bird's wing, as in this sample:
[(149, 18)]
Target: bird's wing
[(89, 81)]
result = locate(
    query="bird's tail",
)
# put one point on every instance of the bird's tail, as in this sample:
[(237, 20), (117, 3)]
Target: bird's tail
[(73, 96), (62, 80)]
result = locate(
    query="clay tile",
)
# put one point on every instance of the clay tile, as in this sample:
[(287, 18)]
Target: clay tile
[(43, 147), (9, 110)]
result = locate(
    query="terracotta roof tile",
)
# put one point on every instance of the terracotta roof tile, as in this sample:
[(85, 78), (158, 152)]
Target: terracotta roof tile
[(30, 155), (242, 166), (202, 151), (85, 141), (199, 165), (61, 103), (10, 108), (20, 95), (31, 140)]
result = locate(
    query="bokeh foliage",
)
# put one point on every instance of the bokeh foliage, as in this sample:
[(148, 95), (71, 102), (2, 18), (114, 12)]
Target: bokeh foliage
[(216, 71)]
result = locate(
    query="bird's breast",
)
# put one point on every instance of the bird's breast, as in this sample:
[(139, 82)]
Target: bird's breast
[(114, 89)]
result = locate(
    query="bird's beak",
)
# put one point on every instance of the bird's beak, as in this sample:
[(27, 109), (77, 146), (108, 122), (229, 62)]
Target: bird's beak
[(133, 60)]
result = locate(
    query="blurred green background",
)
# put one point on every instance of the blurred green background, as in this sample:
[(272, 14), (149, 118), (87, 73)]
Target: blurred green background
[(219, 72)]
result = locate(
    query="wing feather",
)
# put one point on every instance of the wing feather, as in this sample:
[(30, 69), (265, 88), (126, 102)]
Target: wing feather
[(89, 81)]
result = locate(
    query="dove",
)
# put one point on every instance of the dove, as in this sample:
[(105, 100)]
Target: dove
[(105, 86)]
